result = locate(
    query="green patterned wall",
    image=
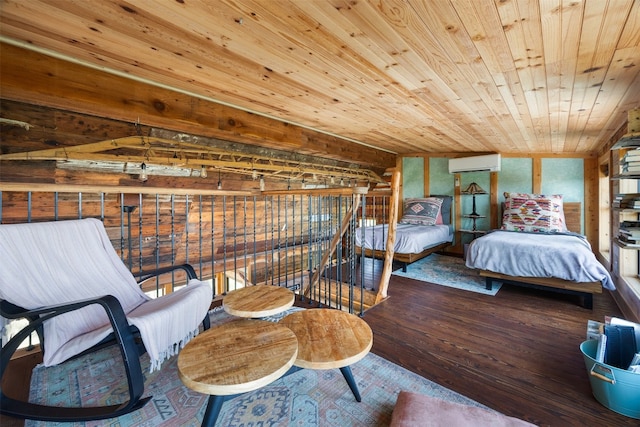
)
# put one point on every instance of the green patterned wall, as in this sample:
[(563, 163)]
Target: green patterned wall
[(559, 176), (412, 177), (516, 176), (566, 177), (440, 180), (563, 176)]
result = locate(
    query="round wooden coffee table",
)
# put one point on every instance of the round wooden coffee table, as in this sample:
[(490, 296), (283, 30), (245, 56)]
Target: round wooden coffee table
[(236, 357), (328, 339), (258, 301)]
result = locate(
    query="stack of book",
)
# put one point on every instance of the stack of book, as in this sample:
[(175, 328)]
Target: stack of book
[(626, 201), (629, 234), (631, 162), (618, 342)]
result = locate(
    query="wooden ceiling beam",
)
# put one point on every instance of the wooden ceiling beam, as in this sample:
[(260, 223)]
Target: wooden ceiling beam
[(185, 155), (32, 77)]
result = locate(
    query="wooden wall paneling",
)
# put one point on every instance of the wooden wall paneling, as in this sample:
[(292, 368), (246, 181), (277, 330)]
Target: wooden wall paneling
[(400, 192), (536, 179), (426, 183), (457, 191), (591, 202), (573, 216), (52, 128), (42, 80), (494, 210)]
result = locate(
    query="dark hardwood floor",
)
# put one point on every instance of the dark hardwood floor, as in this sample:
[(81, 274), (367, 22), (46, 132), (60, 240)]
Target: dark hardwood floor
[(516, 352)]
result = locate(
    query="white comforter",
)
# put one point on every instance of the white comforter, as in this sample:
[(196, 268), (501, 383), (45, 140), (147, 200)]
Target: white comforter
[(563, 256), (410, 239)]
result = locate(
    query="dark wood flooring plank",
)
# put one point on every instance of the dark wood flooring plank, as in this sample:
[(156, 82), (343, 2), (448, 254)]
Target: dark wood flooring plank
[(516, 352)]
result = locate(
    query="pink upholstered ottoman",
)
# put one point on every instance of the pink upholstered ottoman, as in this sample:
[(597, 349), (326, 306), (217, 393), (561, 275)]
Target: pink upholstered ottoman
[(418, 410)]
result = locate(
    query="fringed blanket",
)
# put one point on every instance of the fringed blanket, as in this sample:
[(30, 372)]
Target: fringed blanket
[(49, 263)]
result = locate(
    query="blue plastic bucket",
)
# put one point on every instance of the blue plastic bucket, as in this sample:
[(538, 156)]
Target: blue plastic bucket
[(617, 389)]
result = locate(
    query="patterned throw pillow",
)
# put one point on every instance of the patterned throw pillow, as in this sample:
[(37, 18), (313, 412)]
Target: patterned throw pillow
[(536, 213), (444, 217), (421, 211)]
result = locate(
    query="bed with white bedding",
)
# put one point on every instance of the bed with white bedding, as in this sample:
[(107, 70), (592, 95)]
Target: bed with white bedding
[(556, 260), (424, 228), (412, 242)]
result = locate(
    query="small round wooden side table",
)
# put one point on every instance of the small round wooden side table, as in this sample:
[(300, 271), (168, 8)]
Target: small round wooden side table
[(330, 338), (236, 357), (258, 301)]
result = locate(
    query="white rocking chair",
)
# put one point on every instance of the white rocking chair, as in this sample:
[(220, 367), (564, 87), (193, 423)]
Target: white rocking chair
[(66, 278)]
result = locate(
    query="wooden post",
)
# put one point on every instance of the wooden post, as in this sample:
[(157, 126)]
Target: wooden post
[(391, 237), (494, 210)]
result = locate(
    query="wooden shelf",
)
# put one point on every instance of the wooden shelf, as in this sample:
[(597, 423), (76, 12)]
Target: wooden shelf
[(626, 176), (473, 231), (625, 145), (626, 245), (628, 210)]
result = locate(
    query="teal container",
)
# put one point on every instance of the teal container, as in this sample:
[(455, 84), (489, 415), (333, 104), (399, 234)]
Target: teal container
[(617, 389)]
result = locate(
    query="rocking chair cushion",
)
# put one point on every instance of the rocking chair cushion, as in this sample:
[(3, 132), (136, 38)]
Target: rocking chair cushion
[(49, 263)]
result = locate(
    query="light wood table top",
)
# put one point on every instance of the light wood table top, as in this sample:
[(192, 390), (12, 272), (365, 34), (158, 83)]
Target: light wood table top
[(258, 301), (236, 357), (329, 338)]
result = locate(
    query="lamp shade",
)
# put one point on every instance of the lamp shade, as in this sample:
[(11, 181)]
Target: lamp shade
[(474, 188)]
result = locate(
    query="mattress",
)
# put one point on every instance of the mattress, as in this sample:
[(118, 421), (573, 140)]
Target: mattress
[(566, 256), (409, 238)]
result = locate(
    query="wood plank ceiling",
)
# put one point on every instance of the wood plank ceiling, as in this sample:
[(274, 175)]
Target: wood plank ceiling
[(405, 76)]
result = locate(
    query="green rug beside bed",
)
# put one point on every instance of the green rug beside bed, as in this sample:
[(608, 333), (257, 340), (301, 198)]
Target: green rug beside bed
[(447, 271)]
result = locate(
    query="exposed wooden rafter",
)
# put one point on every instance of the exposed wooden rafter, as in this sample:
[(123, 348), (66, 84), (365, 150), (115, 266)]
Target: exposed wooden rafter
[(159, 154)]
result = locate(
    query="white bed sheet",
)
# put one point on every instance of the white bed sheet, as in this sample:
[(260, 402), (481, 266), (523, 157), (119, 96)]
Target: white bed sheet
[(561, 256), (410, 239)]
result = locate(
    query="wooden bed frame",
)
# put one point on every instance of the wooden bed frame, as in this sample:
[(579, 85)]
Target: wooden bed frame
[(585, 290), (405, 259)]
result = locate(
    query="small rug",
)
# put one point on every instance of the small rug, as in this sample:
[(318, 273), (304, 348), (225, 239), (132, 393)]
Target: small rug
[(306, 398), (447, 271)]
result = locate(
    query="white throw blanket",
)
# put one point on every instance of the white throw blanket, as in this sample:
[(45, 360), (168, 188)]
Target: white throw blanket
[(49, 263)]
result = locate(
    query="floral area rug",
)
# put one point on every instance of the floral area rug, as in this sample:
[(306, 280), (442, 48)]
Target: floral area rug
[(447, 271), (305, 398)]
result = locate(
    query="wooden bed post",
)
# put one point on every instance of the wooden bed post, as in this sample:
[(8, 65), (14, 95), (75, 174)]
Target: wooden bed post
[(383, 286)]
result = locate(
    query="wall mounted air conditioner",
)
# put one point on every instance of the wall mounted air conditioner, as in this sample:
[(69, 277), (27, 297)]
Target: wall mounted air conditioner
[(489, 162)]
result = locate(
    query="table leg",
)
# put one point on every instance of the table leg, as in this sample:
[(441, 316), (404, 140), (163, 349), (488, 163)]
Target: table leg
[(213, 410), (346, 372)]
